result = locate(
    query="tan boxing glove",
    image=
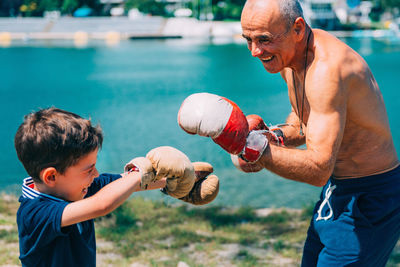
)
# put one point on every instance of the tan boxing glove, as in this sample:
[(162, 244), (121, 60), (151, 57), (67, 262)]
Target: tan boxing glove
[(206, 187), (145, 168), (171, 163)]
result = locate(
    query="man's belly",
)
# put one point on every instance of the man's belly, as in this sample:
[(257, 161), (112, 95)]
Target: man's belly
[(359, 165)]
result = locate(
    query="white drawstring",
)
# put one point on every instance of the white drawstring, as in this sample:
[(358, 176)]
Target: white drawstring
[(328, 194), (79, 227)]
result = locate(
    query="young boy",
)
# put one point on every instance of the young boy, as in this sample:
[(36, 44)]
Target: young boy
[(62, 197)]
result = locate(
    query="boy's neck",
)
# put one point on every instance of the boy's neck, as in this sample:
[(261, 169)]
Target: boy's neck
[(42, 189)]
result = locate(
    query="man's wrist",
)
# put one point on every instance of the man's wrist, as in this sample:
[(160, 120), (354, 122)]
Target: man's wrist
[(278, 134), (256, 143)]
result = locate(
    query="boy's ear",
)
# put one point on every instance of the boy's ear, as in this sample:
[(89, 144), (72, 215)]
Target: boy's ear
[(49, 176)]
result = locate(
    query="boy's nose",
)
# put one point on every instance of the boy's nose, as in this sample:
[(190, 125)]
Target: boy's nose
[(96, 173)]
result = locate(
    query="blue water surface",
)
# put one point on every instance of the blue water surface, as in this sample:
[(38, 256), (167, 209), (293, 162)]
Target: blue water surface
[(134, 91)]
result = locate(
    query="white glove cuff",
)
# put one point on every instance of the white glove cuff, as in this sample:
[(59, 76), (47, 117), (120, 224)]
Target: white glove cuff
[(256, 143), (145, 169)]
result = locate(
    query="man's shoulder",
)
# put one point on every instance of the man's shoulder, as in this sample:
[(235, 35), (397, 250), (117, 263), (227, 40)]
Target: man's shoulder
[(335, 56)]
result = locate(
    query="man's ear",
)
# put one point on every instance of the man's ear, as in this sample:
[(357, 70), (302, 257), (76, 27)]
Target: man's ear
[(49, 176), (299, 26)]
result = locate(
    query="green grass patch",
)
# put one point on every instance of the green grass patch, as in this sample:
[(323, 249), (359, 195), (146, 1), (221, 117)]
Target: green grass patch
[(187, 232), (246, 258), (158, 234)]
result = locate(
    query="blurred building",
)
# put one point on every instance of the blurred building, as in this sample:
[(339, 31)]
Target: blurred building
[(353, 12), (339, 14), (112, 7), (321, 14)]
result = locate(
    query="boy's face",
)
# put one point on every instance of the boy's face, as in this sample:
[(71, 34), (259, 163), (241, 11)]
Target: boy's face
[(74, 183)]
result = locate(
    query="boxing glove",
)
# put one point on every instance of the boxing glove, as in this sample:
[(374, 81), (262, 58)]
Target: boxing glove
[(216, 117), (222, 120), (171, 163), (145, 168), (274, 134), (206, 186), (277, 134), (256, 123)]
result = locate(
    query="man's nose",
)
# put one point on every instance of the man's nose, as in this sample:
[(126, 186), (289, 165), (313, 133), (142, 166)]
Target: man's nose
[(96, 173), (255, 50)]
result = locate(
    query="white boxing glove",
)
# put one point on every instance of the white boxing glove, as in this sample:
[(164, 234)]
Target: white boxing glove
[(216, 117)]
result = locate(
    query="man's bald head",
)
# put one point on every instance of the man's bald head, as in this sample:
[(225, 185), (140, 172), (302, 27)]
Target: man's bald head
[(289, 10)]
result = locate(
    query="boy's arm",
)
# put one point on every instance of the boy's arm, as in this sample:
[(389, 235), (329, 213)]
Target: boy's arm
[(105, 200)]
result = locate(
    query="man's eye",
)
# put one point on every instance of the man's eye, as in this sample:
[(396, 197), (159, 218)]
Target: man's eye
[(247, 38), (263, 41)]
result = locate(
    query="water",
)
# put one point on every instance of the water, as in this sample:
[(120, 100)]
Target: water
[(134, 91)]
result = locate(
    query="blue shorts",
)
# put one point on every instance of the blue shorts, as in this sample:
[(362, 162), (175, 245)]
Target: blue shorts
[(356, 222)]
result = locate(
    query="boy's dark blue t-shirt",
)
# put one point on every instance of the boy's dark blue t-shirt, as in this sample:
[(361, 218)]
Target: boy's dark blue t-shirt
[(42, 241)]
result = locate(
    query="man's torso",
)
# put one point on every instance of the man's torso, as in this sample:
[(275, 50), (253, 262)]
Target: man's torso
[(367, 146)]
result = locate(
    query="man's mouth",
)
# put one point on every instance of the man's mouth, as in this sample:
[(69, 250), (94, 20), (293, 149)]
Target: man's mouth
[(267, 59)]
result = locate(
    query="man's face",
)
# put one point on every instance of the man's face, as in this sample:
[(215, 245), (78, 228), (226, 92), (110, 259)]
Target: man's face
[(268, 37), (74, 183)]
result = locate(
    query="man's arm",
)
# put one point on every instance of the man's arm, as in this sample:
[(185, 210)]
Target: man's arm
[(105, 200), (324, 133), (291, 131)]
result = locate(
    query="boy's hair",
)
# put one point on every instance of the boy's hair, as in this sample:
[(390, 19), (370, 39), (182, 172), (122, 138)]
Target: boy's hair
[(54, 138)]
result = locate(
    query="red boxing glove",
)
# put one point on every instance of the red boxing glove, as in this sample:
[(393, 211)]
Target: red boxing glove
[(222, 120), (257, 127), (256, 123), (216, 117), (277, 134)]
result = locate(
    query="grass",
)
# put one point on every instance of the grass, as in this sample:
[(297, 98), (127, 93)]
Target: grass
[(155, 234), (9, 251), (147, 231)]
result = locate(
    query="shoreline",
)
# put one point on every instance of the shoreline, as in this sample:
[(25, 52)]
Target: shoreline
[(113, 30)]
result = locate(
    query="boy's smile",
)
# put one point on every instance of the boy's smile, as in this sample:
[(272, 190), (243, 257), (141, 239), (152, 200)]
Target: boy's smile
[(74, 183)]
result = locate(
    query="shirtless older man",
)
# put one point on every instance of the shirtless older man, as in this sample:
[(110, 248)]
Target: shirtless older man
[(339, 113)]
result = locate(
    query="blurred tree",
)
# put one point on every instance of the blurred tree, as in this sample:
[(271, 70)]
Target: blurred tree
[(390, 4), (49, 5), (153, 7), (10, 8), (30, 8), (381, 6), (376, 12), (69, 6), (227, 9)]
